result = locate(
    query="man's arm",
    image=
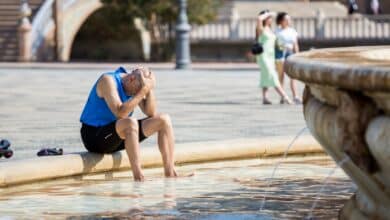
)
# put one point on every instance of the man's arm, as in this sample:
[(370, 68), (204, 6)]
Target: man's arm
[(106, 89), (148, 105)]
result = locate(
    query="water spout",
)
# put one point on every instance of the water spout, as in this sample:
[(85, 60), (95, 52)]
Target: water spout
[(338, 165), (278, 163)]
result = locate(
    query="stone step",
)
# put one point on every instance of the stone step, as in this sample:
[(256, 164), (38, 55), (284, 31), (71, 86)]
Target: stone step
[(12, 46), (7, 11), (9, 23), (8, 17), (30, 2), (8, 59), (8, 48), (9, 53), (7, 30), (14, 7), (8, 40), (9, 20)]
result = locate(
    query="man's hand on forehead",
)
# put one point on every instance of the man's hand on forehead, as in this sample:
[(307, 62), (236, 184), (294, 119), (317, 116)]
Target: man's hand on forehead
[(145, 76), (143, 71)]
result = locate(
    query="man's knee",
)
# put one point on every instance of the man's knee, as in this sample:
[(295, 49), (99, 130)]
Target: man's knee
[(130, 125), (165, 120)]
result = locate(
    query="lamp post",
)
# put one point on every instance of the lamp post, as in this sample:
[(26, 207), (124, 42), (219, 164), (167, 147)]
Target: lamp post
[(183, 57)]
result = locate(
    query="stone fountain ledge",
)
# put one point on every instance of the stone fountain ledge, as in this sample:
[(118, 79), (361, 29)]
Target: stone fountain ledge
[(48, 168), (354, 68), (347, 109)]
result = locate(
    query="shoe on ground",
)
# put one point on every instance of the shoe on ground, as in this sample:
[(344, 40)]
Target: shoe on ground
[(267, 102), (297, 101)]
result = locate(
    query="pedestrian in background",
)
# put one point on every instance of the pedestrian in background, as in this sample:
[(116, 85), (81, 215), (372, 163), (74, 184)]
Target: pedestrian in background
[(375, 7), (266, 60), (286, 45), (352, 7)]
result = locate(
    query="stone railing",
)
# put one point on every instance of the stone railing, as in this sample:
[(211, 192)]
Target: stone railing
[(319, 27)]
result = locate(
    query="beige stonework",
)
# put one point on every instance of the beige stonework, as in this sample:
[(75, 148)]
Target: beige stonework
[(46, 168), (72, 20), (346, 107)]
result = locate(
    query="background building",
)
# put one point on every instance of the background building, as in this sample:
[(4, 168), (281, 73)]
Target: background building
[(49, 30)]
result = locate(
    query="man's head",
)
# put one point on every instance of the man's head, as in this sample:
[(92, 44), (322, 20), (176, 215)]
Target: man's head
[(133, 82)]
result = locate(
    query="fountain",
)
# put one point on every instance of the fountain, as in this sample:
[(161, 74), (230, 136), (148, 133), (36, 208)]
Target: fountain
[(347, 109)]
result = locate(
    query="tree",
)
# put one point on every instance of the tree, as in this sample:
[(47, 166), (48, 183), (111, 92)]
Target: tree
[(113, 25), (157, 12)]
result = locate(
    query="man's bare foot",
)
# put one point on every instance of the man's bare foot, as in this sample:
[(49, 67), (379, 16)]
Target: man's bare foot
[(174, 174), (190, 174), (138, 176)]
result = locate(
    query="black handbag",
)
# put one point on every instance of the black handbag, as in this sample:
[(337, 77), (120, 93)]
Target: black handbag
[(257, 49)]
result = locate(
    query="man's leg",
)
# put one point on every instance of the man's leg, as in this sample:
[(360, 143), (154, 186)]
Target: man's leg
[(127, 129), (162, 124)]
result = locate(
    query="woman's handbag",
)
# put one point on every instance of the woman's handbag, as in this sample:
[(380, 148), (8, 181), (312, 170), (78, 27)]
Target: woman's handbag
[(257, 49)]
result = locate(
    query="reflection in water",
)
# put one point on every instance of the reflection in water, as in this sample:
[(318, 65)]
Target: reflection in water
[(225, 190), (169, 194)]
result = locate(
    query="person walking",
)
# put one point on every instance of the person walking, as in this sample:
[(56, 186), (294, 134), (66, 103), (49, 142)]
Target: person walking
[(352, 7), (287, 44), (375, 7), (266, 60)]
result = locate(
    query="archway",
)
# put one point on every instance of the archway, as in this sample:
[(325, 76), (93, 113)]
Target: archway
[(75, 19), (72, 19), (103, 37)]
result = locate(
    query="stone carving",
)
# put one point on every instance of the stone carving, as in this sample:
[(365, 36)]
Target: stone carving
[(353, 115), (347, 108)]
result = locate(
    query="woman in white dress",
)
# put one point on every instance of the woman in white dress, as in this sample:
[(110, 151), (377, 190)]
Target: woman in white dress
[(286, 45)]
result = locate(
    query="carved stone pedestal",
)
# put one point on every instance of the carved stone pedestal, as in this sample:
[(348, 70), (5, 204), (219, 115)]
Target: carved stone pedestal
[(347, 109)]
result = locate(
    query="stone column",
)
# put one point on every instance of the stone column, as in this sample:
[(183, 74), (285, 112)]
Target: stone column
[(183, 55), (24, 33), (59, 31), (145, 38)]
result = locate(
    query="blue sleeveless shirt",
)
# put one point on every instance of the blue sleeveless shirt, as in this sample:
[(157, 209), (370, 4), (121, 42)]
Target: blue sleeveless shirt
[(96, 111)]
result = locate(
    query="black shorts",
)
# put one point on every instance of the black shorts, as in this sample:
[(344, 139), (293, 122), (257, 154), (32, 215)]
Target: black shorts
[(105, 139)]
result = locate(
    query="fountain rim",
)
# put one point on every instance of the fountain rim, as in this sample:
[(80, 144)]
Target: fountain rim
[(40, 169), (335, 73)]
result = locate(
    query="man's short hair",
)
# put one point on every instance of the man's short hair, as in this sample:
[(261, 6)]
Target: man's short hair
[(141, 70), (138, 71)]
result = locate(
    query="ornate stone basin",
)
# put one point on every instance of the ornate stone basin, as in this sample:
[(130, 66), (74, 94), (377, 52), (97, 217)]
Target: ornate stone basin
[(347, 109)]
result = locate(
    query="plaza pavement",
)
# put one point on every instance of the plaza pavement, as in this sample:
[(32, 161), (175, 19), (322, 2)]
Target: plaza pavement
[(40, 105)]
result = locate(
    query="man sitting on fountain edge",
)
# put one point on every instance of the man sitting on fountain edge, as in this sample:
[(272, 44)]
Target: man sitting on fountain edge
[(108, 125)]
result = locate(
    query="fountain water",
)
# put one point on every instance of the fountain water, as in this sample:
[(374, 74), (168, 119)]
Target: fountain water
[(325, 183), (278, 163)]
